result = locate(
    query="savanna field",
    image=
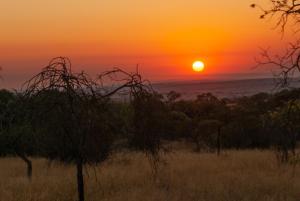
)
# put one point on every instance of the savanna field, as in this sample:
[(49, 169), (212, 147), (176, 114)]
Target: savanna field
[(180, 100), (235, 175)]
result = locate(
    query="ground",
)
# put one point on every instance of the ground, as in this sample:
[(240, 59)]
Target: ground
[(250, 175)]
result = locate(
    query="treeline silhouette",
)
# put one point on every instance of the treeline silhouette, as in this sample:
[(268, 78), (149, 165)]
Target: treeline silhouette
[(69, 117), (258, 121)]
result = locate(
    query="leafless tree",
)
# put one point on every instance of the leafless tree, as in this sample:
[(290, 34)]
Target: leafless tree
[(283, 11), (72, 107), (288, 63)]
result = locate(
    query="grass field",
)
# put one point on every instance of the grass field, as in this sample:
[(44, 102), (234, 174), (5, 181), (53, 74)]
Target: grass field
[(186, 176)]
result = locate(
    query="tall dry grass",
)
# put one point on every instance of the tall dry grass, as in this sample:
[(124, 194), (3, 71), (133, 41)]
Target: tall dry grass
[(186, 176)]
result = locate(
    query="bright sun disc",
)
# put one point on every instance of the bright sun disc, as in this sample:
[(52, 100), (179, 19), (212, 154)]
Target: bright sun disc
[(198, 66)]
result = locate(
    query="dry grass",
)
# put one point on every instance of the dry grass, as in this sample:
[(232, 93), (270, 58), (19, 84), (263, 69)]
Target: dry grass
[(187, 176)]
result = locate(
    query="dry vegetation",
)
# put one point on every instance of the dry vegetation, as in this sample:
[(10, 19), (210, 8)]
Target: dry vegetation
[(235, 175)]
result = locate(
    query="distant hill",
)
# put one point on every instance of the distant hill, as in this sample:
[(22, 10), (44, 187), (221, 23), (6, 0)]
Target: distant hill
[(221, 88)]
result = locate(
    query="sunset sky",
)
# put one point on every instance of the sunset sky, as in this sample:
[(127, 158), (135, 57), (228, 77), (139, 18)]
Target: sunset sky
[(163, 37)]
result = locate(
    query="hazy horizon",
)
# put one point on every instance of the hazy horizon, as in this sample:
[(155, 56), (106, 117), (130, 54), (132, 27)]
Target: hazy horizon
[(14, 80)]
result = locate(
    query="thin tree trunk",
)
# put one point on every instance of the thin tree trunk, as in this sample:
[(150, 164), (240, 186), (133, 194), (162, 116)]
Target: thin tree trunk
[(219, 141), (28, 163), (80, 182), (198, 145), (294, 144)]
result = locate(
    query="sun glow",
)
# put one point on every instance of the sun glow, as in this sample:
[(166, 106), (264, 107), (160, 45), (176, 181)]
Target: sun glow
[(198, 66)]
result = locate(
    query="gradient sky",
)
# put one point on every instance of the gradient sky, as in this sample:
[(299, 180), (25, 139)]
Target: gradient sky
[(163, 37)]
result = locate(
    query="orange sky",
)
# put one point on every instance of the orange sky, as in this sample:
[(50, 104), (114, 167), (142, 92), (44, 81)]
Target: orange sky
[(163, 37)]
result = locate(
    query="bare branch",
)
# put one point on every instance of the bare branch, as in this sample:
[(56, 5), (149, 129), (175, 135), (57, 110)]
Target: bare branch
[(284, 10), (288, 64)]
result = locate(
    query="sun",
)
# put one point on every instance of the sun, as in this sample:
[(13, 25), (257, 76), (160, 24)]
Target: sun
[(198, 66)]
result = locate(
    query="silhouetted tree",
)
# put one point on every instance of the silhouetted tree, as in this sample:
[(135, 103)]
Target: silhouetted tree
[(172, 96), (207, 133), (72, 113), (148, 124), (178, 125), (16, 136), (288, 63), (284, 124)]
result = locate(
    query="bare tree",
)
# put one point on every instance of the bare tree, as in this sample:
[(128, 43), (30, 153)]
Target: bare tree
[(72, 112), (283, 11), (287, 64)]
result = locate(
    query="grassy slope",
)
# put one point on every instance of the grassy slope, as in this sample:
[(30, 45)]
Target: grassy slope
[(234, 176)]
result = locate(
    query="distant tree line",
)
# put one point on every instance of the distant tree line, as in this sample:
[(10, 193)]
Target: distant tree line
[(43, 124), (259, 121)]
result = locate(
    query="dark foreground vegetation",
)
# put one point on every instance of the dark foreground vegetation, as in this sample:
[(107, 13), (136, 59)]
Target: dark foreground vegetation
[(259, 121), (69, 117)]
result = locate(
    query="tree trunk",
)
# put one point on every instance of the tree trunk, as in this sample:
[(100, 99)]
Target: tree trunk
[(198, 144), (80, 182), (28, 163), (294, 144), (219, 141)]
